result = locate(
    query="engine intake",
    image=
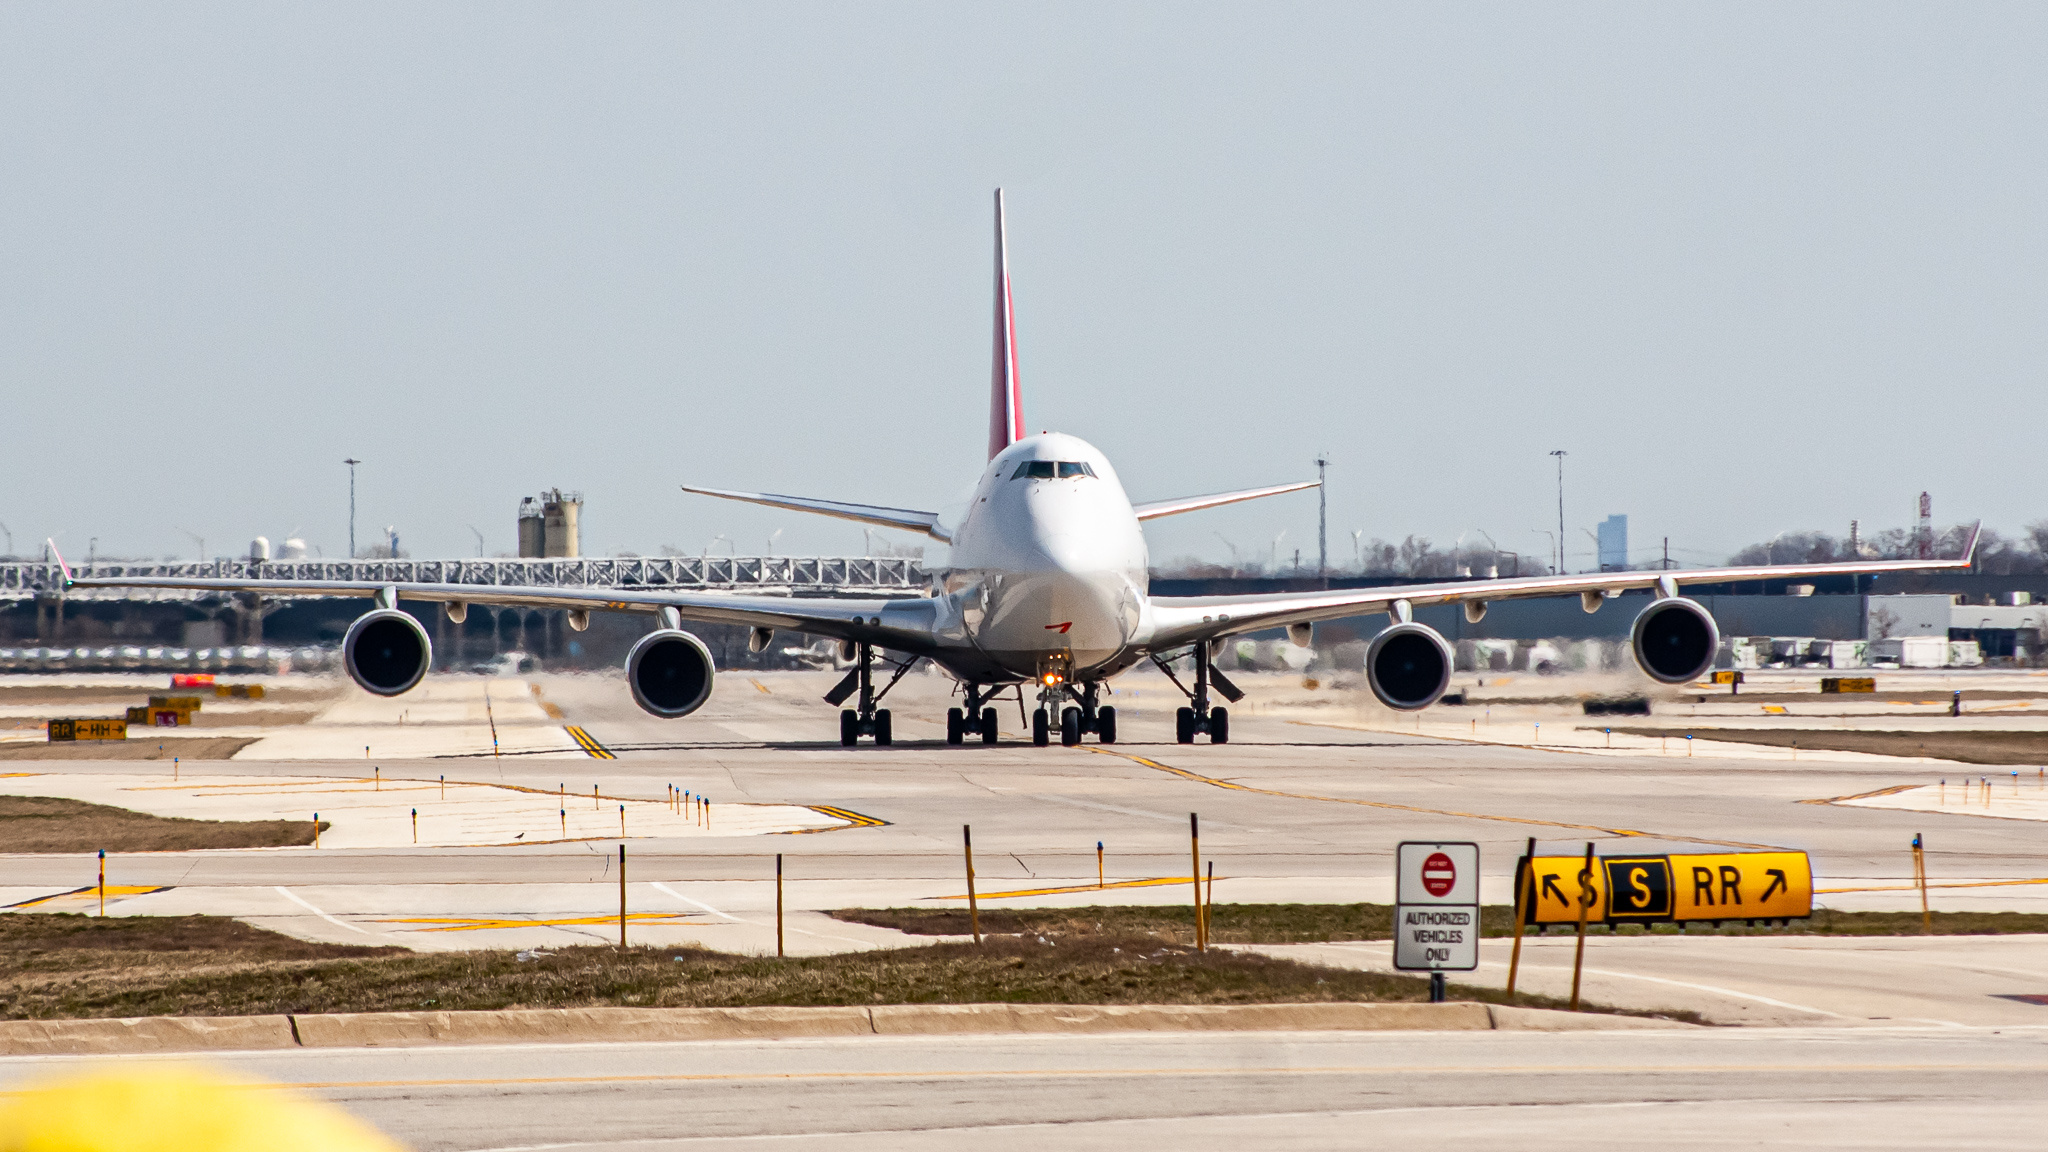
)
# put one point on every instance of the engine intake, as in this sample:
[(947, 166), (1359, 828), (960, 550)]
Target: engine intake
[(1675, 640), (1408, 666), (670, 672), (386, 651)]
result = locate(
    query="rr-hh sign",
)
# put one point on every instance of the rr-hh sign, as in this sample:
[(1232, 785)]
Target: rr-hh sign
[(1436, 906)]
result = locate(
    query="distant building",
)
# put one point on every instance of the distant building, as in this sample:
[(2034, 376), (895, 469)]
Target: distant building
[(1614, 544), (549, 526)]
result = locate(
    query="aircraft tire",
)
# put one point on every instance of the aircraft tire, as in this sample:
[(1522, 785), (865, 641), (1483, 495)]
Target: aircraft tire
[(1041, 728), (1105, 725), (988, 725), (1070, 727), (849, 728), (1184, 726), (1219, 726), (956, 726), (882, 734)]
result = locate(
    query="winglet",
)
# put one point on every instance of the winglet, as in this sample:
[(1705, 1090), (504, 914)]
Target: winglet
[(61, 565), (1970, 545)]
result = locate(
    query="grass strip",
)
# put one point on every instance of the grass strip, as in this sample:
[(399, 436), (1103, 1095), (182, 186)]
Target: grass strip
[(1322, 923), (2014, 748), (54, 824), (68, 966)]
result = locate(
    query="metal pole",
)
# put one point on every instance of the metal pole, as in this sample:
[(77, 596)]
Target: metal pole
[(1585, 906), (1920, 876), (1322, 519), (1098, 863), (351, 462), (973, 910), (622, 897), (103, 882), (1527, 884), (1560, 454), (778, 904), (1195, 851)]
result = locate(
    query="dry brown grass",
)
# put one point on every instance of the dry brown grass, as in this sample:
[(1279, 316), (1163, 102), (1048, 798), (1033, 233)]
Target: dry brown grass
[(52, 824), (144, 746), (1976, 747), (1317, 923), (74, 966)]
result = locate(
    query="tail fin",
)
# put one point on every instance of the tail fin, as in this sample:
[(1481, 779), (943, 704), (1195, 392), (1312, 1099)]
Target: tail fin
[(1006, 395)]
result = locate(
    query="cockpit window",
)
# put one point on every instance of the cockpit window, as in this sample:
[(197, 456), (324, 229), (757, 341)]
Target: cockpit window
[(1051, 469)]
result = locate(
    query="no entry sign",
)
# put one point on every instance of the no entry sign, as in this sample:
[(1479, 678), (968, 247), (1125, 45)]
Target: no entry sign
[(1436, 906)]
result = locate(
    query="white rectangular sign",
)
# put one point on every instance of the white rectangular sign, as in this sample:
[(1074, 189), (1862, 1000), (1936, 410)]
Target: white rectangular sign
[(1436, 909)]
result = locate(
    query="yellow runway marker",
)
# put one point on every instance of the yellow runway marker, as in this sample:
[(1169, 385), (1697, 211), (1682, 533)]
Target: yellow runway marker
[(1198, 778), (1155, 882), (589, 743), (761, 686), (91, 892), (474, 924), (853, 820), (1949, 884)]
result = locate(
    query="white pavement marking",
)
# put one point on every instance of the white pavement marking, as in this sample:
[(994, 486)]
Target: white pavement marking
[(308, 906)]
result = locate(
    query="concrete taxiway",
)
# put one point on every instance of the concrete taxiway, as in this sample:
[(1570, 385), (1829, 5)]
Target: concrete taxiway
[(1306, 804), (1883, 1088)]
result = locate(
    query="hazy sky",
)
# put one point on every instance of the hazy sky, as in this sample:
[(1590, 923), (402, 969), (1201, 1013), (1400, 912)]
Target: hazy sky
[(1755, 267)]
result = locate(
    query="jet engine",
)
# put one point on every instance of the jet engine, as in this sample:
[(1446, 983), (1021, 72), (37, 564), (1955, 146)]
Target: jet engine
[(1675, 640), (670, 673), (386, 651), (1408, 666)]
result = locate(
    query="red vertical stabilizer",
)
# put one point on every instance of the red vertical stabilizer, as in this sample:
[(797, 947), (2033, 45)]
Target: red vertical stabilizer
[(1006, 395)]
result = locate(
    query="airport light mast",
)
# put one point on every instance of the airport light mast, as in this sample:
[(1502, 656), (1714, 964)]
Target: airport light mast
[(351, 462), (1560, 454)]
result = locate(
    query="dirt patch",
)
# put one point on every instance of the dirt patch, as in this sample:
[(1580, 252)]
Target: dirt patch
[(251, 718), (1963, 747), (133, 748), (123, 696), (1320, 923), (74, 967), (52, 824)]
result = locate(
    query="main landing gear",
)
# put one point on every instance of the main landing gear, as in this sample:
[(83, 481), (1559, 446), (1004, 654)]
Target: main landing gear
[(1199, 717), (865, 719), (976, 719), (1084, 714)]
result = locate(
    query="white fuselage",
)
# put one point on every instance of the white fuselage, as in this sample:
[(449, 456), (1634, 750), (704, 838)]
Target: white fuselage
[(1044, 567)]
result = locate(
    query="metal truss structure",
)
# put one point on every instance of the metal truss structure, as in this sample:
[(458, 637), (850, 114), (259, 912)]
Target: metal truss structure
[(771, 575)]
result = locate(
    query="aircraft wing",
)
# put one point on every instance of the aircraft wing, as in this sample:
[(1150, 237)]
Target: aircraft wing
[(1158, 508), (925, 522), (1188, 619), (905, 623)]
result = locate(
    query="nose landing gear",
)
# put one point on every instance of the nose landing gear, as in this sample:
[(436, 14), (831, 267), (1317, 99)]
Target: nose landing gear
[(1199, 717), (1085, 714)]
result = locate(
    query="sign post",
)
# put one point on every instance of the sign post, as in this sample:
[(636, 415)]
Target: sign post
[(1436, 909)]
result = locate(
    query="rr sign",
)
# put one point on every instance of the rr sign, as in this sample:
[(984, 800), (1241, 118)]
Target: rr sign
[(1678, 888)]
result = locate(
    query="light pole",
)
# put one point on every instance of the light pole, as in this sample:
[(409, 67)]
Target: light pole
[(1560, 454), (1322, 519), (351, 462), (479, 541)]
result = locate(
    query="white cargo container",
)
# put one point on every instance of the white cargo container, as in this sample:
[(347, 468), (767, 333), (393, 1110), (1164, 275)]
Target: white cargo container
[(1964, 654), (1839, 653), (1911, 651)]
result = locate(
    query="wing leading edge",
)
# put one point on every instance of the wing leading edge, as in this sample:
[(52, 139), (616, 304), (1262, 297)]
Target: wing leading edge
[(1158, 508), (905, 518), (1187, 619)]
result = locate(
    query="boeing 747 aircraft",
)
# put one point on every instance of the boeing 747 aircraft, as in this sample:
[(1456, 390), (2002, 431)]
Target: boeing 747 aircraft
[(1045, 590)]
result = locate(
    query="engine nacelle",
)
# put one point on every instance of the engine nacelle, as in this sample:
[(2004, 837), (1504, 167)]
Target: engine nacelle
[(670, 673), (1408, 666), (386, 651), (1675, 640)]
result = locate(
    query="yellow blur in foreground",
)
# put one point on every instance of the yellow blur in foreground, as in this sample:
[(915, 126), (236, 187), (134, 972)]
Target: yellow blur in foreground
[(174, 1108)]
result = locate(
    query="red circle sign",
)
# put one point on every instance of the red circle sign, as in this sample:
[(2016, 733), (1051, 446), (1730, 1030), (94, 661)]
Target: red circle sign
[(1438, 874)]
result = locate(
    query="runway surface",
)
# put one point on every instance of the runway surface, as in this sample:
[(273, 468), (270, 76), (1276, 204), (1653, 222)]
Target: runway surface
[(1710, 1088), (1306, 804)]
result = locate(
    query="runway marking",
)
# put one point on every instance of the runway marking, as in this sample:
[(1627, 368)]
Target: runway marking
[(1214, 782), (1154, 882), (1944, 884), (588, 743), (1891, 791), (660, 887), (1073, 1073), (477, 924), (761, 686), (92, 890), (308, 906), (853, 820)]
